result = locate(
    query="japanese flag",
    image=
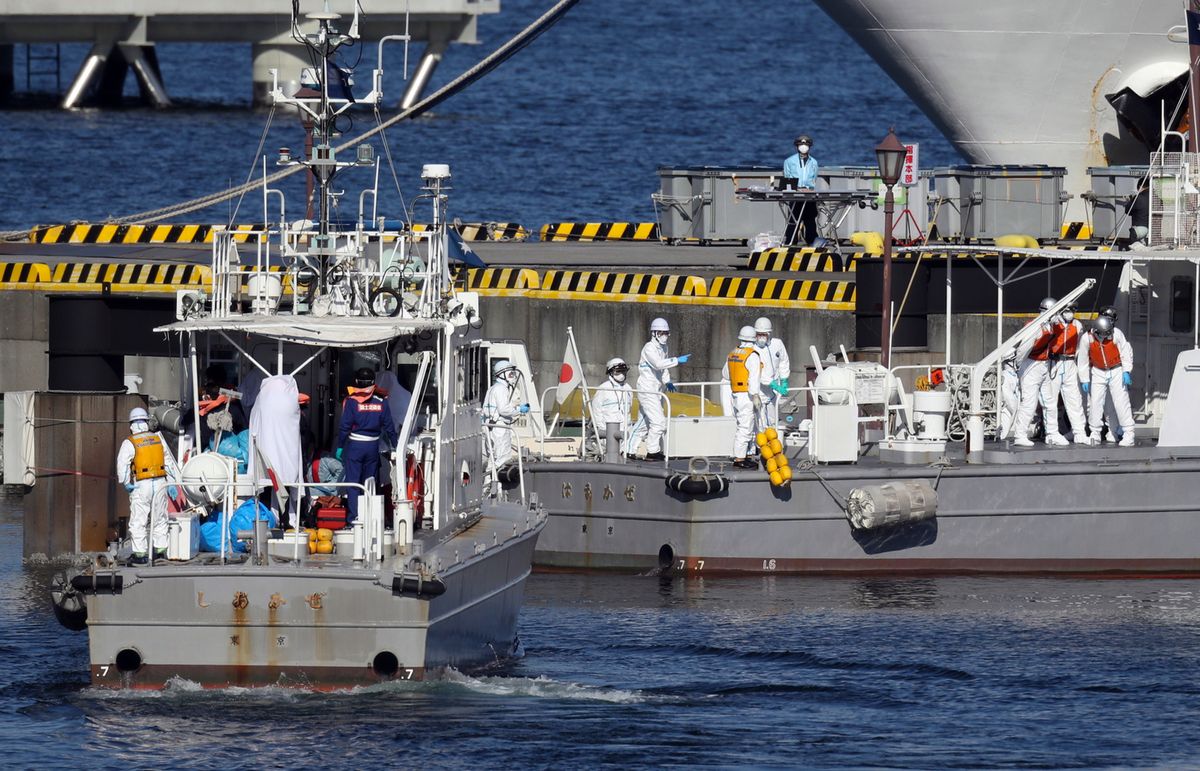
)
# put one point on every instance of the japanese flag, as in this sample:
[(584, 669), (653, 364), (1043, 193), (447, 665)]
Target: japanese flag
[(571, 375)]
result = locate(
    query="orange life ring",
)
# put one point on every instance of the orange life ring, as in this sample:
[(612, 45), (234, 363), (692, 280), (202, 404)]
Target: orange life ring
[(415, 483)]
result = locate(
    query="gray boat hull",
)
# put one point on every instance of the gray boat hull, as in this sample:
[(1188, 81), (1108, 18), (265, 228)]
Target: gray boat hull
[(1091, 510), (325, 623)]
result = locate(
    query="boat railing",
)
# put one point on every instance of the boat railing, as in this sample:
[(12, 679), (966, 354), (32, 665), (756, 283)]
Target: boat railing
[(491, 458)]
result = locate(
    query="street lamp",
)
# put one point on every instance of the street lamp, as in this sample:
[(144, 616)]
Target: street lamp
[(890, 154)]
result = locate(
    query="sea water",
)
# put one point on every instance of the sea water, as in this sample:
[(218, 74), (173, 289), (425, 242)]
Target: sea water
[(645, 672)]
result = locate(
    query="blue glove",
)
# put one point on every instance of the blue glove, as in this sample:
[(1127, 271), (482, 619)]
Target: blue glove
[(683, 358), (671, 387), (524, 409), (338, 454), (129, 487), (784, 381), (1087, 387), (173, 491), (1128, 378)]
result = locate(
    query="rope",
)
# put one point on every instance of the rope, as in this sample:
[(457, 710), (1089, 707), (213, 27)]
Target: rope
[(489, 63), (811, 467)]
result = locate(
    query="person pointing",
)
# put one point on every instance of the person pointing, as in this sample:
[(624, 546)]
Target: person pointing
[(653, 376)]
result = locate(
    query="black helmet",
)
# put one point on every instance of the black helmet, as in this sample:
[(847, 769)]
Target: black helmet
[(363, 377), (1110, 311)]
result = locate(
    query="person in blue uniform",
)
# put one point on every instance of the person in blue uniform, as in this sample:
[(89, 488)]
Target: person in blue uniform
[(366, 417), (802, 167)]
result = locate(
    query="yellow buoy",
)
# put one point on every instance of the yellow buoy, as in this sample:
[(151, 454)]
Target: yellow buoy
[(776, 478), (783, 460), (766, 451), (776, 446), (785, 473), (324, 534), (772, 463), (761, 438), (771, 434), (324, 547)]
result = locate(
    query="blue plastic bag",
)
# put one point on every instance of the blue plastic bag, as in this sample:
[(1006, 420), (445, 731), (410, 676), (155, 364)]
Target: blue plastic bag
[(236, 446), (242, 519)]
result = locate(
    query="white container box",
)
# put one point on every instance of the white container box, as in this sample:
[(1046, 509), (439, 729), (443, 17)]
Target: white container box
[(183, 537)]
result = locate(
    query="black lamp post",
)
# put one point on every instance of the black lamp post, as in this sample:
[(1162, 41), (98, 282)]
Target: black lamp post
[(890, 154)]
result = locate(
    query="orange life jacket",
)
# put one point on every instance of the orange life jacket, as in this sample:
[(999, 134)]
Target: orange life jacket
[(1066, 340), (739, 373), (149, 461), (1104, 354), (1041, 347)]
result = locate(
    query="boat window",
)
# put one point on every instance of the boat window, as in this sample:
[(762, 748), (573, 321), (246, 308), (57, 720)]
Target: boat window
[(472, 374), (1182, 303)]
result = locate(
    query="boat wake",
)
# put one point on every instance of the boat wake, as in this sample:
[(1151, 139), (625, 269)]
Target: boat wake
[(178, 688)]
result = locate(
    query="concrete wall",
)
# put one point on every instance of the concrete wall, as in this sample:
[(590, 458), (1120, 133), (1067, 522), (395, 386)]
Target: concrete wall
[(24, 338)]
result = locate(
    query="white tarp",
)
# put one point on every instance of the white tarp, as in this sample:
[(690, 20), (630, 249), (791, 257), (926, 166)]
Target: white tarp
[(18, 438), (275, 426)]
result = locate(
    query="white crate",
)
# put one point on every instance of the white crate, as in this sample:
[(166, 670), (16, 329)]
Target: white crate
[(183, 537)]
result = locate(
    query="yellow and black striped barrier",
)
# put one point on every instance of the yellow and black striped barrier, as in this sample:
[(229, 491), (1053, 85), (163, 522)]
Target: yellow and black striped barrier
[(619, 287), (1076, 231), (83, 233), (497, 281), (784, 292), (797, 259), (599, 231), (483, 231)]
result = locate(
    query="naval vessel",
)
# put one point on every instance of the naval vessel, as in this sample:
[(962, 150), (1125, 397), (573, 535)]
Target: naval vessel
[(889, 475), (432, 573)]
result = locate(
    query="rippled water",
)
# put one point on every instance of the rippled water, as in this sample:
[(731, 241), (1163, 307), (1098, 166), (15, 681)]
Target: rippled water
[(634, 671), (572, 129)]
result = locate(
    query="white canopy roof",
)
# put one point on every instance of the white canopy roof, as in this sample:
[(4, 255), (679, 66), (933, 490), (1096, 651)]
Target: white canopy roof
[(335, 331)]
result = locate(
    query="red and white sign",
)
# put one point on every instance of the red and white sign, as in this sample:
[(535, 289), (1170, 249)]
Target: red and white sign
[(912, 167), (570, 376)]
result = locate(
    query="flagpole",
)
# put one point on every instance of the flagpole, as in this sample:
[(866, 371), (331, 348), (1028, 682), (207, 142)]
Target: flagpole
[(587, 404)]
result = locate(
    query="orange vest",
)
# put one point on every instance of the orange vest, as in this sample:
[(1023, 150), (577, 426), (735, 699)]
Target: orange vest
[(148, 458), (1104, 354), (1066, 340), (1041, 347), (739, 373)]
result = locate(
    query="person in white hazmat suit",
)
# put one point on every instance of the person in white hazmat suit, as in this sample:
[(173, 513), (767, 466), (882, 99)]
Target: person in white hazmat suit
[(1105, 364), (1035, 357), (1063, 380), (275, 426), (653, 377), (501, 407), (613, 400), (745, 369), (146, 468), (1010, 394), (777, 369)]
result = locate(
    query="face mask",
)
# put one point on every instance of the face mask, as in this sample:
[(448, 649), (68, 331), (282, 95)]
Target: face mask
[(803, 149), (761, 341), (1068, 316), (661, 337), (618, 377), (139, 426)]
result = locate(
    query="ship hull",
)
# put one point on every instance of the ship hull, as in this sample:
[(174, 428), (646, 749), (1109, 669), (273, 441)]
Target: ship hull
[(1014, 82), (319, 625), (1087, 516)]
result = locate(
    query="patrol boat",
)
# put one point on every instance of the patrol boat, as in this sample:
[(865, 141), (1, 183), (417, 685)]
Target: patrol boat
[(888, 478), (439, 586)]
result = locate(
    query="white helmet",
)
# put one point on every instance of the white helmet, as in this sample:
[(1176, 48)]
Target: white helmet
[(660, 325), (762, 325), (1048, 303), (501, 366), (615, 361), (746, 335), (139, 413)]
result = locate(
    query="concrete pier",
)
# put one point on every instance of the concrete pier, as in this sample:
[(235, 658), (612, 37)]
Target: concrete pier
[(131, 30)]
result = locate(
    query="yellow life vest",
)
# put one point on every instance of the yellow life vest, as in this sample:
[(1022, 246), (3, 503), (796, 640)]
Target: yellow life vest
[(739, 373), (149, 461)]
